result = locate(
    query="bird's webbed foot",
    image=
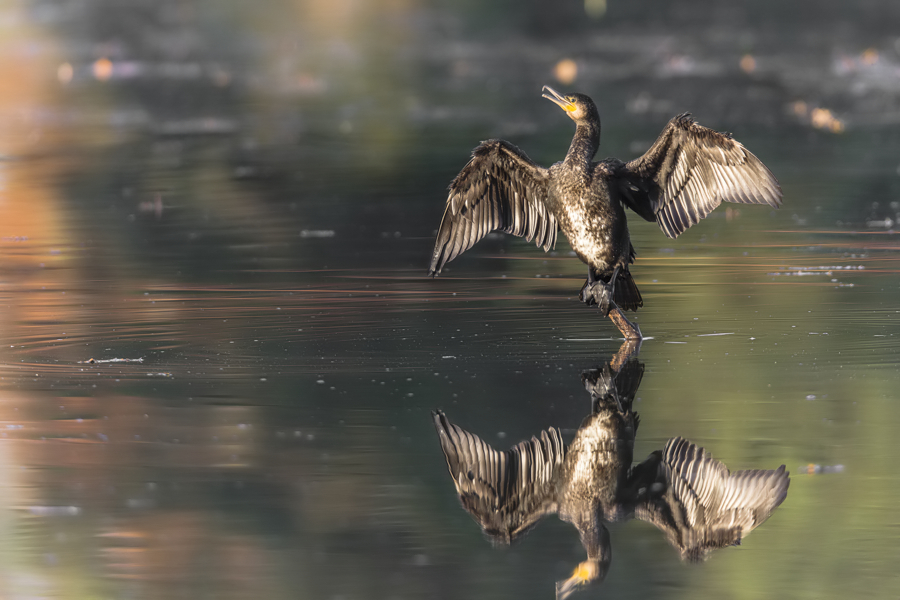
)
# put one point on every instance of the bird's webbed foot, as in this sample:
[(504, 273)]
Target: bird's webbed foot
[(596, 291)]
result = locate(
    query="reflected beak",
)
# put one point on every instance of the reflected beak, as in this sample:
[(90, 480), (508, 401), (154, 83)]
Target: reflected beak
[(554, 96), (565, 588), (588, 572)]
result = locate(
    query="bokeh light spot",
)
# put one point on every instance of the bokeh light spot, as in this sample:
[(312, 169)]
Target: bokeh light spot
[(64, 73), (103, 69), (566, 71)]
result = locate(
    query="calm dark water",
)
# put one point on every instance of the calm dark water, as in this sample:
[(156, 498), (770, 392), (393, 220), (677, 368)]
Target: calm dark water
[(230, 209)]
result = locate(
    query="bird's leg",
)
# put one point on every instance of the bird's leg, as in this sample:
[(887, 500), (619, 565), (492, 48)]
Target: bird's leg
[(630, 330), (604, 293), (609, 292), (596, 291), (630, 347), (586, 295)]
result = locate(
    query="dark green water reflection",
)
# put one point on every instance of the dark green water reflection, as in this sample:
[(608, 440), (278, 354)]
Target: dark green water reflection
[(244, 197)]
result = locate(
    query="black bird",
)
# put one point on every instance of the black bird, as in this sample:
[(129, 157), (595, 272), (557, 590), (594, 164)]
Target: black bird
[(684, 175), (692, 498)]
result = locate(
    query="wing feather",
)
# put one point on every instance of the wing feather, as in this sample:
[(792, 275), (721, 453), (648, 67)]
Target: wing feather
[(704, 506), (689, 171), (507, 493), (500, 189)]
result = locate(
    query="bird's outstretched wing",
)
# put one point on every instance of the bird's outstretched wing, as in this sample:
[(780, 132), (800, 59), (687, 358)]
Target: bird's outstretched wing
[(500, 189), (688, 172), (507, 493), (704, 506)]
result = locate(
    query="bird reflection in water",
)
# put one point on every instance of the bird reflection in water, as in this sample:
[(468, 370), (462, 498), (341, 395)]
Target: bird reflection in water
[(692, 498)]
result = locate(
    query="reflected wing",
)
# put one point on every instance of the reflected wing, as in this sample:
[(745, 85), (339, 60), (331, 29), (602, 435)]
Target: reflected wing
[(500, 189), (704, 506), (506, 492), (689, 171)]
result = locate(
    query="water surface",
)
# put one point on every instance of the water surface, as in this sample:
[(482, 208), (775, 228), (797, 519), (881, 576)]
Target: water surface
[(221, 352)]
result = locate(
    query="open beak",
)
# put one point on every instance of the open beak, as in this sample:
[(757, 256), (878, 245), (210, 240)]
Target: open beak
[(586, 573), (554, 96), (566, 588)]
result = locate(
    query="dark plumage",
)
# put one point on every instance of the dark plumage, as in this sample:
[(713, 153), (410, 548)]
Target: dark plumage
[(684, 175), (693, 499)]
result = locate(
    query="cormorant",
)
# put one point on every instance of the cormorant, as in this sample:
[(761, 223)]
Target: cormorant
[(684, 175), (692, 498)]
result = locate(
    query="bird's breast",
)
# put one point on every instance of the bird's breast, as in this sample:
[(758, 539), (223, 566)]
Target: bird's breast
[(589, 226), (595, 459)]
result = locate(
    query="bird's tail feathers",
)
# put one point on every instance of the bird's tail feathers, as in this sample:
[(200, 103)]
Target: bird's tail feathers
[(627, 295)]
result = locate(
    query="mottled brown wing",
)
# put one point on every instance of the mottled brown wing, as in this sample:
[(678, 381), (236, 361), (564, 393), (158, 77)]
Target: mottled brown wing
[(689, 171), (507, 493), (704, 506), (500, 189)]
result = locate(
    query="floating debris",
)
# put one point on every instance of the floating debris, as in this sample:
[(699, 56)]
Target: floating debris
[(880, 223), (197, 126), (154, 206), (94, 361), (317, 233), (821, 270), (813, 469), (54, 511)]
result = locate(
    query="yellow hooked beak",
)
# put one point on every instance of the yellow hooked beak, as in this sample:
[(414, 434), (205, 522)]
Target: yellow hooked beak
[(585, 573), (556, 97)]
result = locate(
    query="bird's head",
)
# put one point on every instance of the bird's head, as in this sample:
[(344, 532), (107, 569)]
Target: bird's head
[(578, 106), (586, 573)]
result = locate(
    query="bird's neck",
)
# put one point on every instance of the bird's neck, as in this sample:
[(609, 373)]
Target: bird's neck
[(584, 145), (595, 539)]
